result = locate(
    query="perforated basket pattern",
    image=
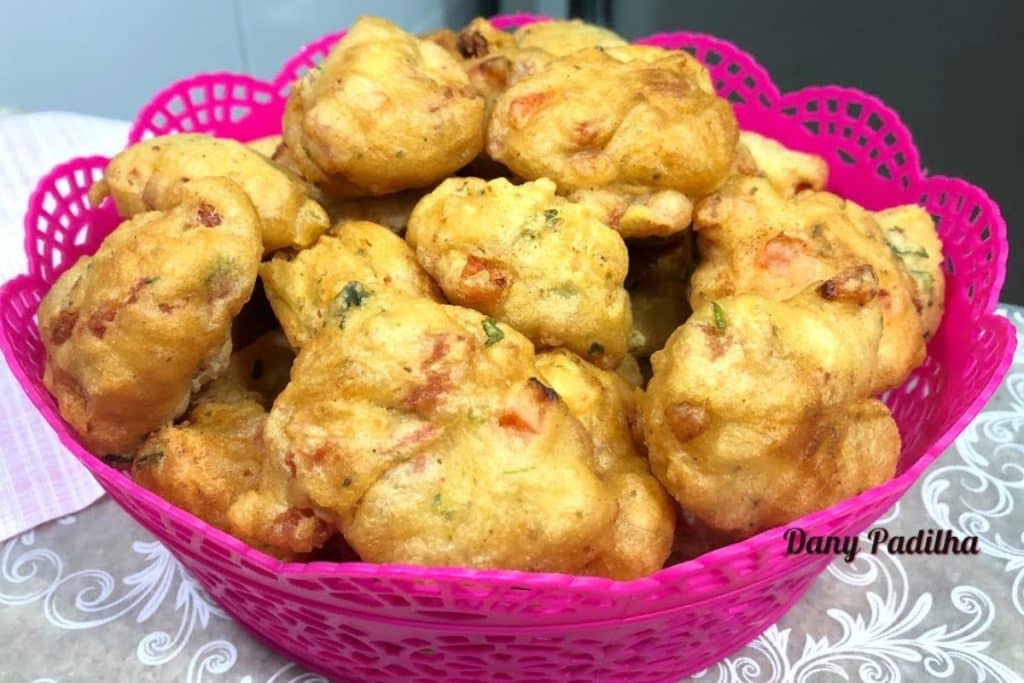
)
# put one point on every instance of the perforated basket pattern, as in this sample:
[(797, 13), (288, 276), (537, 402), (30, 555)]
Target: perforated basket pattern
[(360, 621)]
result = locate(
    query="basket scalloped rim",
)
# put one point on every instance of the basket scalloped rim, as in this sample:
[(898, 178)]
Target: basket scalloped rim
[(590, 585)]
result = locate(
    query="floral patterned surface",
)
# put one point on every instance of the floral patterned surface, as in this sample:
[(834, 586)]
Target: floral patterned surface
[(93, 597)]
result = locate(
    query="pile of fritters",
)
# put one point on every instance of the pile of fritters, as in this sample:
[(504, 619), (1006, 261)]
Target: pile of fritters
[(501, 300)]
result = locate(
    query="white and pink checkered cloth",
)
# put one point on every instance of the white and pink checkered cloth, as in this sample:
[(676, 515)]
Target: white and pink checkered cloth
[(39, 479)]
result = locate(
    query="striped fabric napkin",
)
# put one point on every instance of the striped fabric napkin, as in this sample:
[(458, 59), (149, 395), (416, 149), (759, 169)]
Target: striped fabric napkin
[(39, 479)]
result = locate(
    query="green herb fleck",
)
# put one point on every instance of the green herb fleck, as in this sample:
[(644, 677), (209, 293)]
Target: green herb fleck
[(150, 458), (150, 280), (719, 316), (927, 283), (519, 471), (493, 332), (447, 514), (222, 269), (351, 296), (566, 291), (595, 349), (551, 217), (919, 251)]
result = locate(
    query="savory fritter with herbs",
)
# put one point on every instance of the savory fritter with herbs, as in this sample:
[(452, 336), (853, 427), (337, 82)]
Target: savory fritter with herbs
[(638, 119), (133, 330), (303, 287), (150, 174), (525, 256), (605, 404), (384, 112), (753, 240), (214, 464), (759, 411), (425, 429)]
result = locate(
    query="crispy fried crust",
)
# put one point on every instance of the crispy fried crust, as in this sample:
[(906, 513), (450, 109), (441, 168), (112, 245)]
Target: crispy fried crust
[(753, 240), (635, 116), (131, 331), (214, 465), (384, 112), (758, 411), (149, 175), (520, 253), (423, 427), (604, 403), (303, 287)]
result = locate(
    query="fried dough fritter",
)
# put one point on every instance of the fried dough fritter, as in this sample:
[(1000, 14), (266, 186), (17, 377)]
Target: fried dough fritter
[(788, 170), (758, 410), (303, 287), (423, 427), (384, 112), (149, 175), (638, 117), (752, 240), (525, 256), (910, 233), (132, 331), (604, 403), (496, 59), (215, 465)]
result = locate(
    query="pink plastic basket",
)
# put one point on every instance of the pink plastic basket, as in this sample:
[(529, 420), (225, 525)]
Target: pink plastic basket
[(367, 622)]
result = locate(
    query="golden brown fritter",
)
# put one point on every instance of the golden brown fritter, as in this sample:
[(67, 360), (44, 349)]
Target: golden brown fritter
[(423, 427), (149, 175), (754, 241), (384, 112), (214, 465), (527, 257), (132, 331), (758, 411), (910, 233), (657, 284), (788, 170), (634, 116), (604, 403), (303, 287), (496, 59)]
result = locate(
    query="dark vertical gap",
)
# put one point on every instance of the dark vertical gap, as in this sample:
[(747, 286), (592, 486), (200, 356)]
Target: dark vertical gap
[(593, 11)]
